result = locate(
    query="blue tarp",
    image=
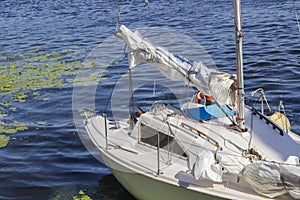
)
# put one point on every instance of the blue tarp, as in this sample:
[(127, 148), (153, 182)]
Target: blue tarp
[(208, 112)]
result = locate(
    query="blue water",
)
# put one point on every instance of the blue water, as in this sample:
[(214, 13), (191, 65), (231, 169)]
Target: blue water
[(49, 161)]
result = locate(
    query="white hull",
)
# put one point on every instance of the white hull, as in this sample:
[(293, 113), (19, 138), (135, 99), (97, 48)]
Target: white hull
[(149, 188), (135, 167)]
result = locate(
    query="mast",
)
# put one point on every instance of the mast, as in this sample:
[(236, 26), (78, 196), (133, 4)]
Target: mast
[(131, 103), (239, 65)]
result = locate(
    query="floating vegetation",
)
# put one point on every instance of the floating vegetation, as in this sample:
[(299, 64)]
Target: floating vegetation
[(10, 131), (71, 192), (86, 81), (13, 128), (20, 126), (2, 115), (1, 128), (19, 97), (4, 104), (46, 99), (82, 196), (3, 140), (40, 123), (13, 109), (36, 70), (24, 76)]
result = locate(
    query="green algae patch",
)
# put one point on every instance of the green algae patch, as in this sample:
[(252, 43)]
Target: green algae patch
[(3, 141), (13, 128), (2, 115), (13, 109), (36, 70), (71, 192), (6, 87), (27, 76), (20, 97), (2, 128), (20, 126), (86, 81), (82, 196), (21, 75), (40, 123), (10, 130), (46, 99), (4, 104)]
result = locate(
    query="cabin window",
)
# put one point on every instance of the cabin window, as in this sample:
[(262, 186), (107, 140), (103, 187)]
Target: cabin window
[(167, 142)]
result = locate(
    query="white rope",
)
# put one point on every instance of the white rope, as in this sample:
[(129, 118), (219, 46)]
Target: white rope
[(262, 98), (154, 89)]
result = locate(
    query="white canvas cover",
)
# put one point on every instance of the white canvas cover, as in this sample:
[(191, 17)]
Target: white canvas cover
[(264, 178), (208, 81), (291, 176), (273, 179)]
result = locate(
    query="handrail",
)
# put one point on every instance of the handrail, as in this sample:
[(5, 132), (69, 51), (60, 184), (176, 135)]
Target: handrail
[(268, 121), (201, 134)]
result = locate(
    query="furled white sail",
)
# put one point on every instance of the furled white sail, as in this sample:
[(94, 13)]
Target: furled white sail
[(208, 81), (204, 165)]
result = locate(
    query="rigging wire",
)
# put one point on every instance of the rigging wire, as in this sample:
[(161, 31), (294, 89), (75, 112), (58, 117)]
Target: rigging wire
[(297, 19), (276, 42), (111, 92), (279, 63)]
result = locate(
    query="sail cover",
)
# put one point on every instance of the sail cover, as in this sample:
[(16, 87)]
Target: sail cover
[(273, 179), (209, 81)]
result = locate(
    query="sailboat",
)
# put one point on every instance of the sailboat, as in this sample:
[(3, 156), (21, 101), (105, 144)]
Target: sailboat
[(213, 147)]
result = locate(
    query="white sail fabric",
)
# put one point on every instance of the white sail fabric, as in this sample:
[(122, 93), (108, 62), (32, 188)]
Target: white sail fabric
[(174, 67), (203, 166), (231, 162)]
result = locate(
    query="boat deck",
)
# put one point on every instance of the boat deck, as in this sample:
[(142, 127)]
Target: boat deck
[(125, 154)]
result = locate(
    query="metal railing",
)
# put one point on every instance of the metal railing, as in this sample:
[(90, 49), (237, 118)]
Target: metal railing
[(158, 156), (105, 126)]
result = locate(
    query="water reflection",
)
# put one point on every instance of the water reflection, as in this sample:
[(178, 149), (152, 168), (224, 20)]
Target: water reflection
[(109, 188)]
